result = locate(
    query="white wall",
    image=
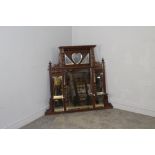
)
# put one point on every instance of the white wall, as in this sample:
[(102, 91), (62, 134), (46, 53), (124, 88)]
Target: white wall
[(129, 54), (24, 81)]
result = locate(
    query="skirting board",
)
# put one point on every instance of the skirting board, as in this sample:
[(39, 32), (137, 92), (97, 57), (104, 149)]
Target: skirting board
[(20, 123), (135, 109)]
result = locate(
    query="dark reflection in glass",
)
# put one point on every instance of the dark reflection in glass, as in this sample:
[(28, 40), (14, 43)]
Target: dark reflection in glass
[(78, 89), (99, 90), (99, 82)]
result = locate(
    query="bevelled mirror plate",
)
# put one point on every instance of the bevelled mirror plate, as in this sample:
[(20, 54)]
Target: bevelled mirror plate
[(68, 61), (77, 57), (85, 60)]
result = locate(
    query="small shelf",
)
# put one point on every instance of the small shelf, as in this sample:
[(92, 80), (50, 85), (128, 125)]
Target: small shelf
[(60, 109), (99, 105), (79, 107)]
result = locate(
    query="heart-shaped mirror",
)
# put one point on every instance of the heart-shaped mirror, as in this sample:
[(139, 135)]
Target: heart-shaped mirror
[(77, 57)]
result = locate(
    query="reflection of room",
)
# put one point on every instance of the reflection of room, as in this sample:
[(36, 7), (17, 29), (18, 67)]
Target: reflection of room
[(78, 88)]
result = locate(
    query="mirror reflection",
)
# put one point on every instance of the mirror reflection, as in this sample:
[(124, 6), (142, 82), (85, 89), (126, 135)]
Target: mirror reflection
[(78, 88), (68, 61), (57, 93), (86, 59), (77, 57), (99, 89)]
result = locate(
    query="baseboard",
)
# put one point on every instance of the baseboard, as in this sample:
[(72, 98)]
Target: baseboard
[(20, 123), (135, 109)]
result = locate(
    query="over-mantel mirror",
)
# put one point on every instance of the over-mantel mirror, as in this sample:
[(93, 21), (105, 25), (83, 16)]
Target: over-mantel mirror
[(77, 81)]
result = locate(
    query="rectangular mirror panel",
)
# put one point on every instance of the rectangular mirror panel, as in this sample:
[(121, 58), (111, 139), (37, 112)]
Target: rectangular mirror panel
[(58, 93), (99, 89), (78, 89)]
